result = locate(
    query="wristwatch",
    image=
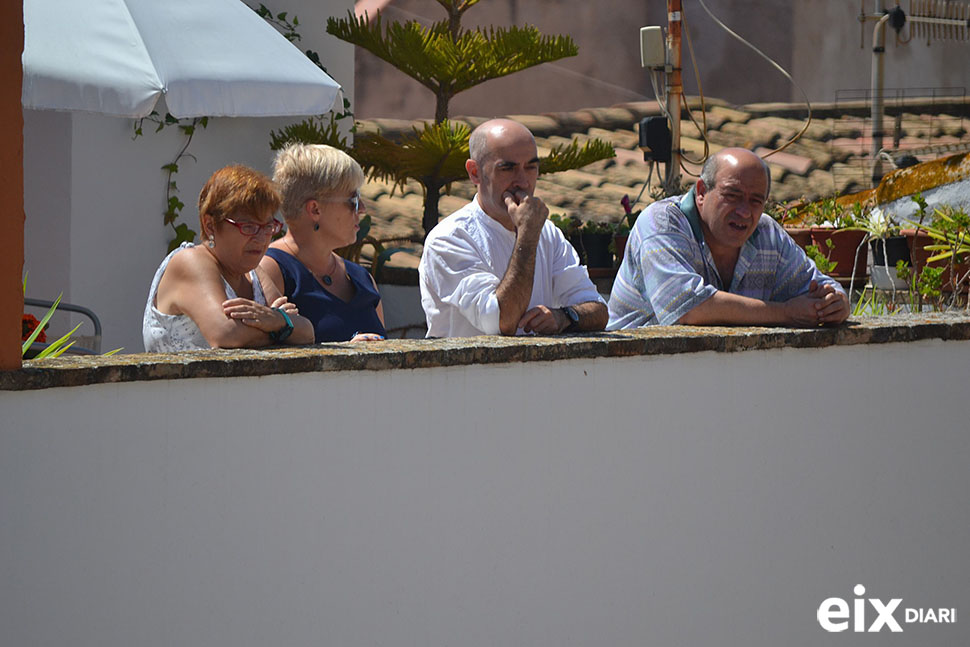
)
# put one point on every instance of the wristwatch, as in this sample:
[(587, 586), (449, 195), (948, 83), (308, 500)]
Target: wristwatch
[(279, 336), (573, 317)]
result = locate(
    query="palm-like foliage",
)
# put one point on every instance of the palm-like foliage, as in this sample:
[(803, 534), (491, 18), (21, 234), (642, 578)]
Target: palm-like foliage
[(438, 152), (448, 63), (567, 157), (447, 60)]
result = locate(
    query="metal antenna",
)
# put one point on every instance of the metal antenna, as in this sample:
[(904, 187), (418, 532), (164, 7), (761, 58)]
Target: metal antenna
[(942, 19), (929, 18)]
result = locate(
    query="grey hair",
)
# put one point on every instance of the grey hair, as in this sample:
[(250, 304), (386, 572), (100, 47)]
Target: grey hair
[(478, 143), (309, 171), (709, 171)]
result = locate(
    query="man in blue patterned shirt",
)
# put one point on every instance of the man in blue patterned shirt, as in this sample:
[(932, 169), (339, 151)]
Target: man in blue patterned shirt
[(712, 257)]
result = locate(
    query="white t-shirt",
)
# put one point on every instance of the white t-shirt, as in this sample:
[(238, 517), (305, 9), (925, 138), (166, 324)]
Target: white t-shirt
[(466, 256)]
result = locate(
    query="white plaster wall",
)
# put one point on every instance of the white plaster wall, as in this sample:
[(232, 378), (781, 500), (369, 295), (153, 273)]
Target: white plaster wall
[(402, 309), (94, 198), (702, 499)]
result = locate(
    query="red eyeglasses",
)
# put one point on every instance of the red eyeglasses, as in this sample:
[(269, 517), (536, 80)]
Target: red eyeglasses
[(254, 228)]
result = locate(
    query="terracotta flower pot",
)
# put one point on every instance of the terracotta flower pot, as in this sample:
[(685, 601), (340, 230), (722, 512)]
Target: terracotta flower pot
[(619, 243), (919, 256), (847, 248), (801, 235)]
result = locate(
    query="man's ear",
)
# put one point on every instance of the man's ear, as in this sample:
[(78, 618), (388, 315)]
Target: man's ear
[(471, 166), (700, 192)]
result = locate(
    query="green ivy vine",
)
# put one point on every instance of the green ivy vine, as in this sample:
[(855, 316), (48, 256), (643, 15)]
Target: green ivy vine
[(324, 127)]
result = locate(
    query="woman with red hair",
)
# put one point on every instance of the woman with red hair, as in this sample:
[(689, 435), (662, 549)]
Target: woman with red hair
[(211, 295)]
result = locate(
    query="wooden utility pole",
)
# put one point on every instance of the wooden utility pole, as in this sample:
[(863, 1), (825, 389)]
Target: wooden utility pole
[(674, 88)]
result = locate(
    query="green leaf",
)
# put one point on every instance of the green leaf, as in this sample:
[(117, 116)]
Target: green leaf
[(281, 16), (59, 346), (43, 322), (572, 156), (315, 130), (171, 167), (445, 65), (182, 235), (436, 154), (384, 256)]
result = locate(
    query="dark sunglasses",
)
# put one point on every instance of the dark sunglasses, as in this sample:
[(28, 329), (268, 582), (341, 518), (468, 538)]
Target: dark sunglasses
[(354, 201)]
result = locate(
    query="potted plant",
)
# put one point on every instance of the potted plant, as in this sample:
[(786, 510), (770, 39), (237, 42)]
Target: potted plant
[(595, 238), (622, 231), (787, 215), (888, 249), (569, 226), (949, 248), (833, 222), (916, 238)]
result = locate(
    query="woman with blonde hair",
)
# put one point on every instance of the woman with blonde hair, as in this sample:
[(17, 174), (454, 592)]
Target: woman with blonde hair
[(322, 207), (211, 296)]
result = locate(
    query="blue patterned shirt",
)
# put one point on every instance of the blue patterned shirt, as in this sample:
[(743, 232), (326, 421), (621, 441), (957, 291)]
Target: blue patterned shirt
[(668, 269)]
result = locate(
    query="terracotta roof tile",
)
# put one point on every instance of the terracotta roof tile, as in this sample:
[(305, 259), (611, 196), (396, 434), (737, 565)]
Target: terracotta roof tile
[(622, 138), (610, 118), (540, 125), (573, 121), (778, 172), (832, 155), (728, 115), (750, 136), (575, 179), (628, 158)]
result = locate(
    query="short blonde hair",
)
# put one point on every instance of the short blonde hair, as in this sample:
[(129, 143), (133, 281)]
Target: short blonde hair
[(308, 171), (236, 188)]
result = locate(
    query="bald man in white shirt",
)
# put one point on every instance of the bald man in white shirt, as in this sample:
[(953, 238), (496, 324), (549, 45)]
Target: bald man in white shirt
[(498, 266)]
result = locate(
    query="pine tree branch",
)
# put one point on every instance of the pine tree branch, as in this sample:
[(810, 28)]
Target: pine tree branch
[(430, 56), (435, 154), (573, 156)]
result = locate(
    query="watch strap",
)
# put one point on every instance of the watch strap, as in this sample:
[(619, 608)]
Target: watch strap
[(280, 335)]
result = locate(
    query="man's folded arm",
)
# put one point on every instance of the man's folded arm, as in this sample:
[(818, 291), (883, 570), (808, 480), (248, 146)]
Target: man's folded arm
[(458, 277)]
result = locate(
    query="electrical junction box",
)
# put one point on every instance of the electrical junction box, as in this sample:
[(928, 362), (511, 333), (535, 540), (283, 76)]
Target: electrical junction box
[(652, 47)]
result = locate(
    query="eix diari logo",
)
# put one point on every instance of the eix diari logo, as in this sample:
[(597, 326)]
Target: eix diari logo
[(834, 614)]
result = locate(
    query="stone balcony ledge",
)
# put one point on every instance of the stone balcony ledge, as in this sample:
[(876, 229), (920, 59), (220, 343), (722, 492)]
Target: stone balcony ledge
[(411, 354)]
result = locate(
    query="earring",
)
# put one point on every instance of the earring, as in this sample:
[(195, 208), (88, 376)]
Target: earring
[(316, 226), (212, 242)]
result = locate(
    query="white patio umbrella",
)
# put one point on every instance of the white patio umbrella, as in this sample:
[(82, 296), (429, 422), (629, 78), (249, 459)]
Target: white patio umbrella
[(208, 57)]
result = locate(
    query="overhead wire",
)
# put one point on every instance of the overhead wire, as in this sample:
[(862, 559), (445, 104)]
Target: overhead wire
[(700, 92), (778, 67)]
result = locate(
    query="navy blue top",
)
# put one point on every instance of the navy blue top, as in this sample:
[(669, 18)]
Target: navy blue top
[(333, 318)]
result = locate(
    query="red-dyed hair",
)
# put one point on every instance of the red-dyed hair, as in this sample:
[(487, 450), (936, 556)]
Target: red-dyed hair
[(237, 188)]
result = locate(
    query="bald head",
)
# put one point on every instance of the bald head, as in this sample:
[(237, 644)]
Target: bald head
[(485, 138), (737, 158)]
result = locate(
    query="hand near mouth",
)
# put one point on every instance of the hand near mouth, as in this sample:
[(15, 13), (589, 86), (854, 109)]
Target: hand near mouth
[(528, 213)]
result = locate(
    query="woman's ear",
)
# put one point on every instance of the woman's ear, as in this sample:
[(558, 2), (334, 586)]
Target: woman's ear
[(311, 208), (208, 226)]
